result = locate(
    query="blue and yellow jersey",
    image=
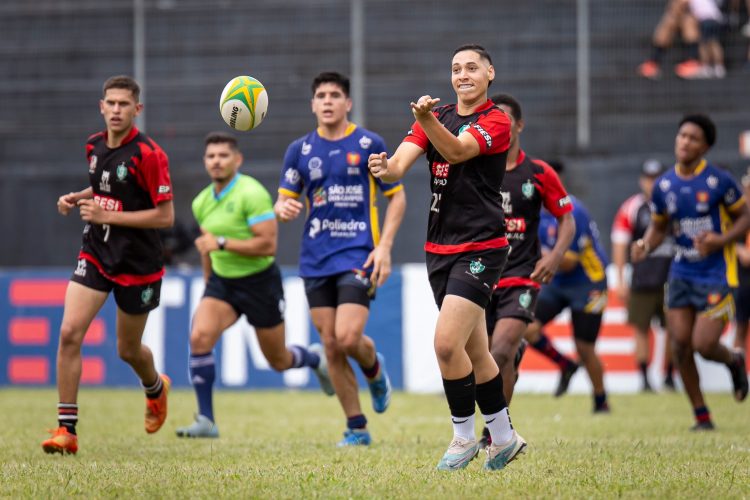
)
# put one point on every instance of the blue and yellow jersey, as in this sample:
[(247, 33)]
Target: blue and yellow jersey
[(342, 226), (694, 205), (585, 248)]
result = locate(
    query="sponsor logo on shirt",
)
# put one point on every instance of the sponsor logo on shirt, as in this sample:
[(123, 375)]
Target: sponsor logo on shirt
[(487, 137), (712, 181), (441, 169), (92, 164), (80, 268), (164, 189), (104, 182), (306, 148), (315, 165), (702, 201), (515, 225), (365, 142), (108, 204), (319, 197), (507, 206), (664, 184), (691, 227), (563, 201), (337, 228), (291, 176), (346, 196), (353, 159), (334, 152)]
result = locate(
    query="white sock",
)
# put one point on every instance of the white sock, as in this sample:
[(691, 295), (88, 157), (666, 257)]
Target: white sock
[(499, 425), (463, 427)]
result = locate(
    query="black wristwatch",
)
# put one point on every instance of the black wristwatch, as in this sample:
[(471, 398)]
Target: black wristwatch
[(222, 242)]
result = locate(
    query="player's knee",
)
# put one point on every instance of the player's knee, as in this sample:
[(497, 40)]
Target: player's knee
[(680, 350), (128, 353), (349, 342), (445, 351), (703, 347), (501, 353), (279, 362), (70, 337), (200, 341)]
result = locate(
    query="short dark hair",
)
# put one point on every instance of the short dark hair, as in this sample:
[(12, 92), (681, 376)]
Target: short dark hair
[(122, 82), (222, 138), (331, 77), (476, 48), (511, 102), (705, 123)]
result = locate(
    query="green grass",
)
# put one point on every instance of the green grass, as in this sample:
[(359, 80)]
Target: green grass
[(281, 445)]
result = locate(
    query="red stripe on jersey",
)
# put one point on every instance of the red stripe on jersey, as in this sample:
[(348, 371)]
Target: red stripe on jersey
[(124, 279), (153, 172), (623, 225), (554, 196), (517, 281), (466, 247), (491, 130)]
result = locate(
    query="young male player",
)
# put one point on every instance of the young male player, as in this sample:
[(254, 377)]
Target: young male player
[(130, 197), (706, 208), (466, 146), (237, 247), (344, 257)]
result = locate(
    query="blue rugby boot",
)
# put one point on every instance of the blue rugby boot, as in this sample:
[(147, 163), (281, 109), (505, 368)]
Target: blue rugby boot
[(380, 388)]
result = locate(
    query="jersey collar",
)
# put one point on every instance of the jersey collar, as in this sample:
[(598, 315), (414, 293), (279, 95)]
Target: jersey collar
[(700, 168), (349, 131), (227, 188), (133, 132)]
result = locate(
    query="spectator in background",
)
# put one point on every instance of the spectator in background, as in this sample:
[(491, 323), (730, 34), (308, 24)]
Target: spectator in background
[(676, 18), (711, 22), (644, 296)]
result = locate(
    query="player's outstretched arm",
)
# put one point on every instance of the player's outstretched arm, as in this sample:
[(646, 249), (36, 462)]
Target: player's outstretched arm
[(394, 168), (66, 202), (287, 208), (380, 257), (161, 216), (454, 149)]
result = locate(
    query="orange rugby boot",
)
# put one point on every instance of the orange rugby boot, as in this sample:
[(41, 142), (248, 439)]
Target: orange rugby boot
[(61, 442), (156, 409)]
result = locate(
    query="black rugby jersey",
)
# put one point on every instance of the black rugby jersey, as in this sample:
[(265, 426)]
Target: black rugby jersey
[(466, 205), (525, 188), (133, 176)]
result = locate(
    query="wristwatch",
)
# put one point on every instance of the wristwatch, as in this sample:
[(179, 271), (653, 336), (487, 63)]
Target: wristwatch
[(222, 242)]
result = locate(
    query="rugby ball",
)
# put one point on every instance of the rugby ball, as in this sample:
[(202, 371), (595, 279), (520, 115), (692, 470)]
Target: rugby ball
[(243, 103)]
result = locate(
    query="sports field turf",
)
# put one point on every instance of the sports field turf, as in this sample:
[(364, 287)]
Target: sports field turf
[(281, 445)]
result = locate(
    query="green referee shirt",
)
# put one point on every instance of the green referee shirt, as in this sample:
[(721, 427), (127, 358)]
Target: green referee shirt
[(231, 213)]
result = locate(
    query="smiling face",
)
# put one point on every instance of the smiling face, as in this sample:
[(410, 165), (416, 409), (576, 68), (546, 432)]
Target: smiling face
[(221, 161), (119, 108), (330, 104), (471, 75), (690, 144)]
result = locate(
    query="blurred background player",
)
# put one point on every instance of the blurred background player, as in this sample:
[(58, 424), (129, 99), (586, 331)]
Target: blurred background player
[(528, 184), (644, 295), (130, 198), (677, 18), (706, 207), (466, 146), (581, 285), (237, 248), (344, 257)]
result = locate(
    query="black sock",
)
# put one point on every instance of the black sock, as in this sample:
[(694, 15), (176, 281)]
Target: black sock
[(371, 372), (657, 54), (490, 397), (356, 422), (67, 416), (692, 51), (461, 395)]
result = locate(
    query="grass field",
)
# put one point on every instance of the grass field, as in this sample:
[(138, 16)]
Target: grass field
[(281, 445)]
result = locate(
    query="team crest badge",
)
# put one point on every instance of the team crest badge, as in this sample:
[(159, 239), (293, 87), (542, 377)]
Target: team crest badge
[(353, 159), (463, 128), (122, 171), (476, 267), (365, 142), (147, 295), (525, 299), (527, 189)]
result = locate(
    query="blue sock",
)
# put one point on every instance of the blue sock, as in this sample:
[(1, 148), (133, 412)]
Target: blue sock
[(303, 357), (202, 375)]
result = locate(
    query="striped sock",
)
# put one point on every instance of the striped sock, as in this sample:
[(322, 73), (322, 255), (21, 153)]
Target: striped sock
[(154, 391), (67, 416)]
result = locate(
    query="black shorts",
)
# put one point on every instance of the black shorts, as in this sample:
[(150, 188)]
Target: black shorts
[(517, 302), (711, 29), (350, 287), (586, 302), (260, 296), (471, 275), (133, 299), (742, 303)]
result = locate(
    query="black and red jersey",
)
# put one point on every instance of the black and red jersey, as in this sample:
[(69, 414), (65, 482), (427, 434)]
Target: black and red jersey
[(466, 205), (133, 176), (529, 185)]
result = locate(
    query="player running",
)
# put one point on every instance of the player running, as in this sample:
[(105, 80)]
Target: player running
[(130, 197), (237, 247), (707, 210), (344, 257)]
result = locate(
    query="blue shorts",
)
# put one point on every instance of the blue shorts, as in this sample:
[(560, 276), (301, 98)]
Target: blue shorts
[(260, 297), (586, 302), (712, 300)]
